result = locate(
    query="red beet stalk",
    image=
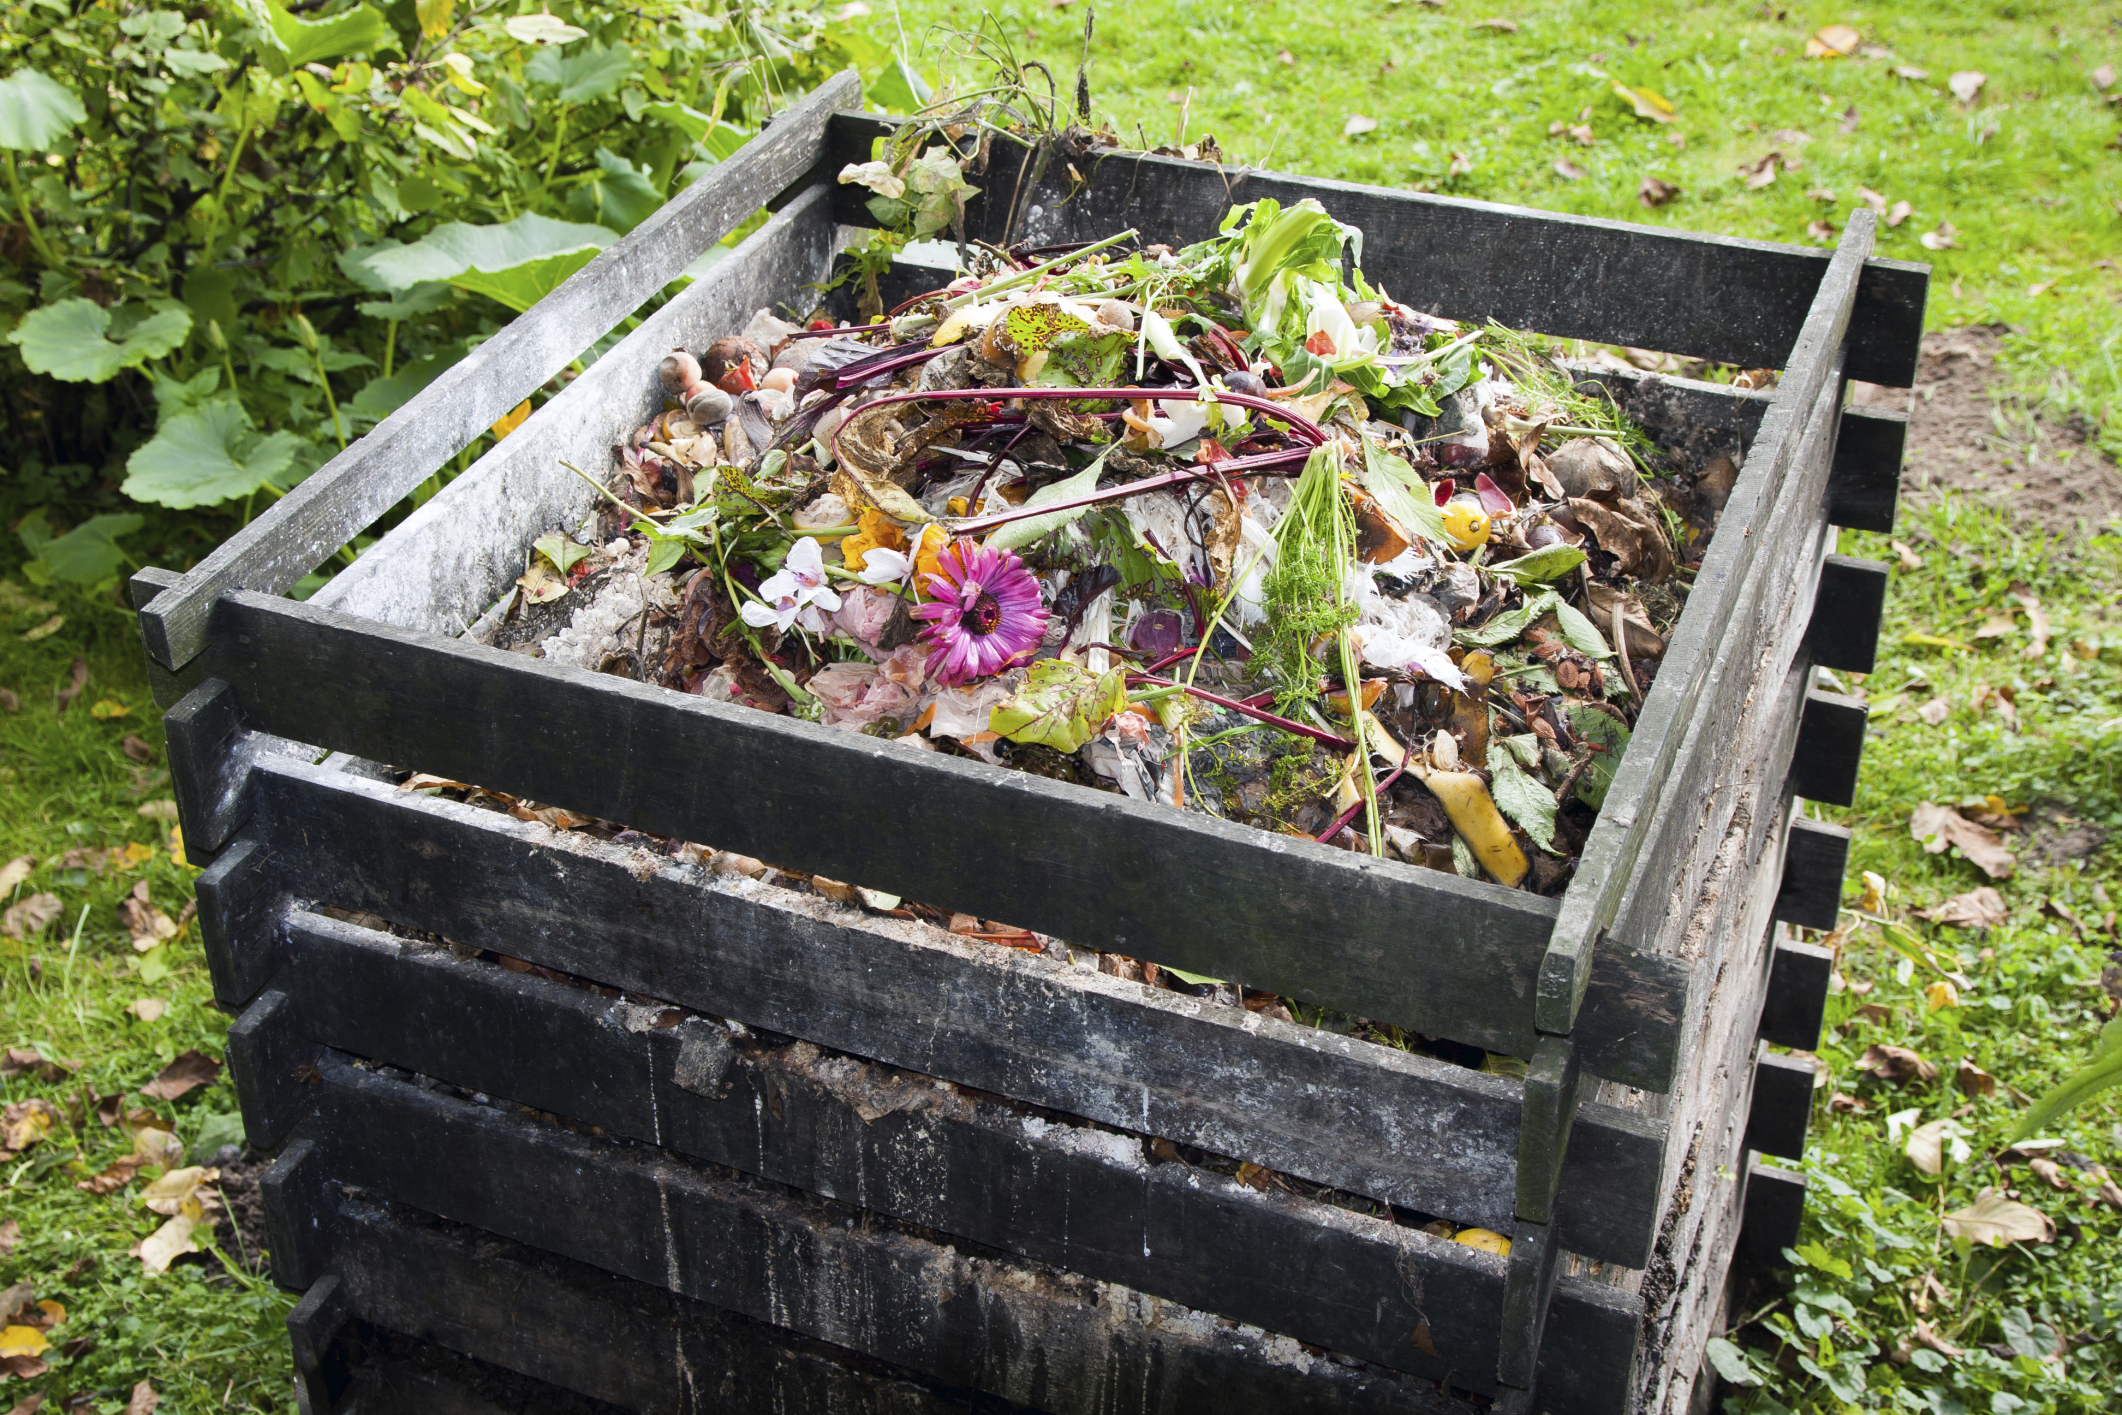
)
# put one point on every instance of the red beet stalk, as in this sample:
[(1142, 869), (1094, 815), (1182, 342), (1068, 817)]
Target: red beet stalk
[(1257, 714)]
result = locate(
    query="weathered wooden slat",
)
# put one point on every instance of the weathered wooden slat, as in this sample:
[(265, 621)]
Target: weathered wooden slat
[(1026, 1333), (272, 1059), (911, 1148), (457, 554), (1712, 297), (1830, 748), (1354, 1115), (1775, 1206), (234, 895), (1867, 481), (1725, 583), (1377, 938), (573, 1330), (1815, 855), (329, 508), (1782, 1104), (1843, 633), (313, 1329), (298, 1221), (1797, 995)]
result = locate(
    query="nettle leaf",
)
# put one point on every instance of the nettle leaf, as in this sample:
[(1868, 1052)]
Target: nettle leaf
[(89, 554), (1062, 706), (206, 456), (361, 29), (1530, 806), (1548, 563), (35, 112), (66, 339), (1606, 731), (583, 76), (518, 262)]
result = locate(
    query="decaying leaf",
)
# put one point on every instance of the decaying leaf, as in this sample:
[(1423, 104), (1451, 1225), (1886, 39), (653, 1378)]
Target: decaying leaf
[(1897, 1064), (1940, 239), (193, 1068), (144, 1399), (541, 583), (1656, 192), (1996, 1220), (1062, 706), (148, 1009), (1938, 827), (183, 1191), (24, 1123), (1567, 170), (1981, 908), (1941, 995), (24, 1061), (1833, 42), (1967, 84), (171, 1241), (1931, 1144), (1973, 1080), (15, 871), (149, 926), (1647, 102), (30, 917)]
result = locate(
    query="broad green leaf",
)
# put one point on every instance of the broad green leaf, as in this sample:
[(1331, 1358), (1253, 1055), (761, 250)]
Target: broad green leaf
[(89, 554), (1509, 625), (1606, 731), (380, 397), (66, 340), (1018, 534), (719, 137), (35, 112), (1548, 563), (174, 396), (2102, 1071), (360, 29), (421, 299), (583, 76), (1062, 706), (207, 456), (1579, 632), (1731, 1362), (1183, 976), (899, 89), (557, 548), (543, 29), (617, 196), (1530, 806), (518, 262), (1402, 492)]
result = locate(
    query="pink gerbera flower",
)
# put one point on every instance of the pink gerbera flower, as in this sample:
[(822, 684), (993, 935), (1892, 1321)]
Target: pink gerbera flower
[(985, 614)]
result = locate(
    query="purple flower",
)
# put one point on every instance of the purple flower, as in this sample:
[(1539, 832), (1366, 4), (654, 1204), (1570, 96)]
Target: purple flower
[(985, 614)]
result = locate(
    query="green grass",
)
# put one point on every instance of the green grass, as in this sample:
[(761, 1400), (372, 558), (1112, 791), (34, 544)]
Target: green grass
[(2032, 203)]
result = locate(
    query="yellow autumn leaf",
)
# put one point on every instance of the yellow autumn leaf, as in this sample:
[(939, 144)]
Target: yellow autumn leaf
[(1648, 102), (168, 1243), (22, 1341), (1833, 42), (175, 1191), (108, 708), (433, 16), (135, 855), (511, 420), (1942, 995)]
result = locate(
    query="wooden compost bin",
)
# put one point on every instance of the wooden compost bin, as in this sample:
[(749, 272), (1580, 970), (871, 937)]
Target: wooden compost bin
[(941, 1195)]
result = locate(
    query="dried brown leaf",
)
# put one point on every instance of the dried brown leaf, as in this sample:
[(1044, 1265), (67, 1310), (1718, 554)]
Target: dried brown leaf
[(1980, 908), (1996, 1220), (194, 1068), (30, 917), (1973, 1080), (1938, 827), (1897, 1064)]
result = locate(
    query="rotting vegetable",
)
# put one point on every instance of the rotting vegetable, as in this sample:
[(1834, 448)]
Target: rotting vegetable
[(1222, 528)]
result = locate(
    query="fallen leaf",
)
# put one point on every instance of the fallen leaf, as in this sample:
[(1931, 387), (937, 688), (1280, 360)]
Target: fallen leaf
[(511, 420), (1996, 1220), (1935, 711), (24, 1123), (193, 1068), (149, 926), (1496, 23), (168, 1243), (31, 917), (180, 1192), (144, 1398), (1875, 200), (1820, 230), (1935, 1342), (1940, 239), (1896, 1064), (1648, 102), (1898, 213), (74, 687), (114, 1178), (2037, 626), (1911, 73), (106, 708), (138, 751), (1761, 171), (2050, 1171), (45, 630), (1942, 995), (147, 1009), (1283, 56), (1833, 42), (22, 1341), (1967, 84), (1927, 1146), (10, 1235), (1908, 557), (1980, 908), (542, 584), (2103, 77), (1826, 194), (1938, 827), (1461, 165), (15, 871), (1568, 170), (25, 1061), (1842, 1104), (1358, 124), (1973, 1080)]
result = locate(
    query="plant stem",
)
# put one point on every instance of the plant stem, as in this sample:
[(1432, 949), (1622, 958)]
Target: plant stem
[(316, 361), (29, 220), (390, 345), (1024, 277)]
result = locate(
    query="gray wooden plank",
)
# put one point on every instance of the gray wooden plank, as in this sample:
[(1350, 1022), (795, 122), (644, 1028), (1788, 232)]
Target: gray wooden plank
[(1361, 1117), (347, 495), (457, 554), (909, 1147), (1775, 1206), (1711, 297)]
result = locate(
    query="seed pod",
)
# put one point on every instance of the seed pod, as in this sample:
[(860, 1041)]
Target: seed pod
[(706, 404), (679, 370)]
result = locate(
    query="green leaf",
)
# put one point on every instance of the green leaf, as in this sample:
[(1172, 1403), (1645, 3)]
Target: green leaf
[(720, 138), (174, 396), (1507, 626), (1549, 563), (1606, 731), (1731, 1362), (218, 1129), (618, 196), (899, 89), (1402, 492), (583, 76), (1196, 979), (359, 30), (1018, 534), (2102, 1071), (1816, 1256), (207, 456), (518, 262), (35, 112), (380, 397), (557, 548), (89, 554), (1530, 806), (1579, 632), (1062, 706), (66, 340)]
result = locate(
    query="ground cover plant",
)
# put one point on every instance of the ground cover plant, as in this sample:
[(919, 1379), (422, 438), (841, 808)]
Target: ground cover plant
[(1885, 1309)]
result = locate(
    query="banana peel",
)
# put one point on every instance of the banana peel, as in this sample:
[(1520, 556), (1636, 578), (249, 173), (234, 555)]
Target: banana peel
[(1472, 812)]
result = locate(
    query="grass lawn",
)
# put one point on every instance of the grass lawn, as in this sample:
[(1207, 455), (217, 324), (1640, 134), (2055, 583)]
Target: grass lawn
[(2024, 176)]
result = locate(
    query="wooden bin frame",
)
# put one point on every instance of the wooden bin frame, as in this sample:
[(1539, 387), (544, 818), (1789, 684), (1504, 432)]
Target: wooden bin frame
[(1642, 999)]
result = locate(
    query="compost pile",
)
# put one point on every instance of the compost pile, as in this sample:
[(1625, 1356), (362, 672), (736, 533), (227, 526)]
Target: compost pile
[(1223, 528)]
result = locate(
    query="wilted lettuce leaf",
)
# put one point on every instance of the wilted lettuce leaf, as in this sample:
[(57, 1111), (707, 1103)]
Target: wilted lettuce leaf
[(1062, 706)]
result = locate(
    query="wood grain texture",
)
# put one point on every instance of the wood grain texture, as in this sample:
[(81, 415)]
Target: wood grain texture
[(914, 1149), (1797, 995), (382, 1372), (1867, 482), (1830, 748), (1782, 1104), (1032, 1335), (457, 554), (1369, 1119), (1729, 579), (1843, 633), (1575, 277), (1376, 938), (1815, 856), (331, 506)]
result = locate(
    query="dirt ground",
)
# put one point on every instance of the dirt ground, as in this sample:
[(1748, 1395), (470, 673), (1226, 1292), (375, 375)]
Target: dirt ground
[(1963, 437)]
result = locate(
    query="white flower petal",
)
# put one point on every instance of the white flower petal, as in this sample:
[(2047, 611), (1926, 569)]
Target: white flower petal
[(884, 567), (756, 614)]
